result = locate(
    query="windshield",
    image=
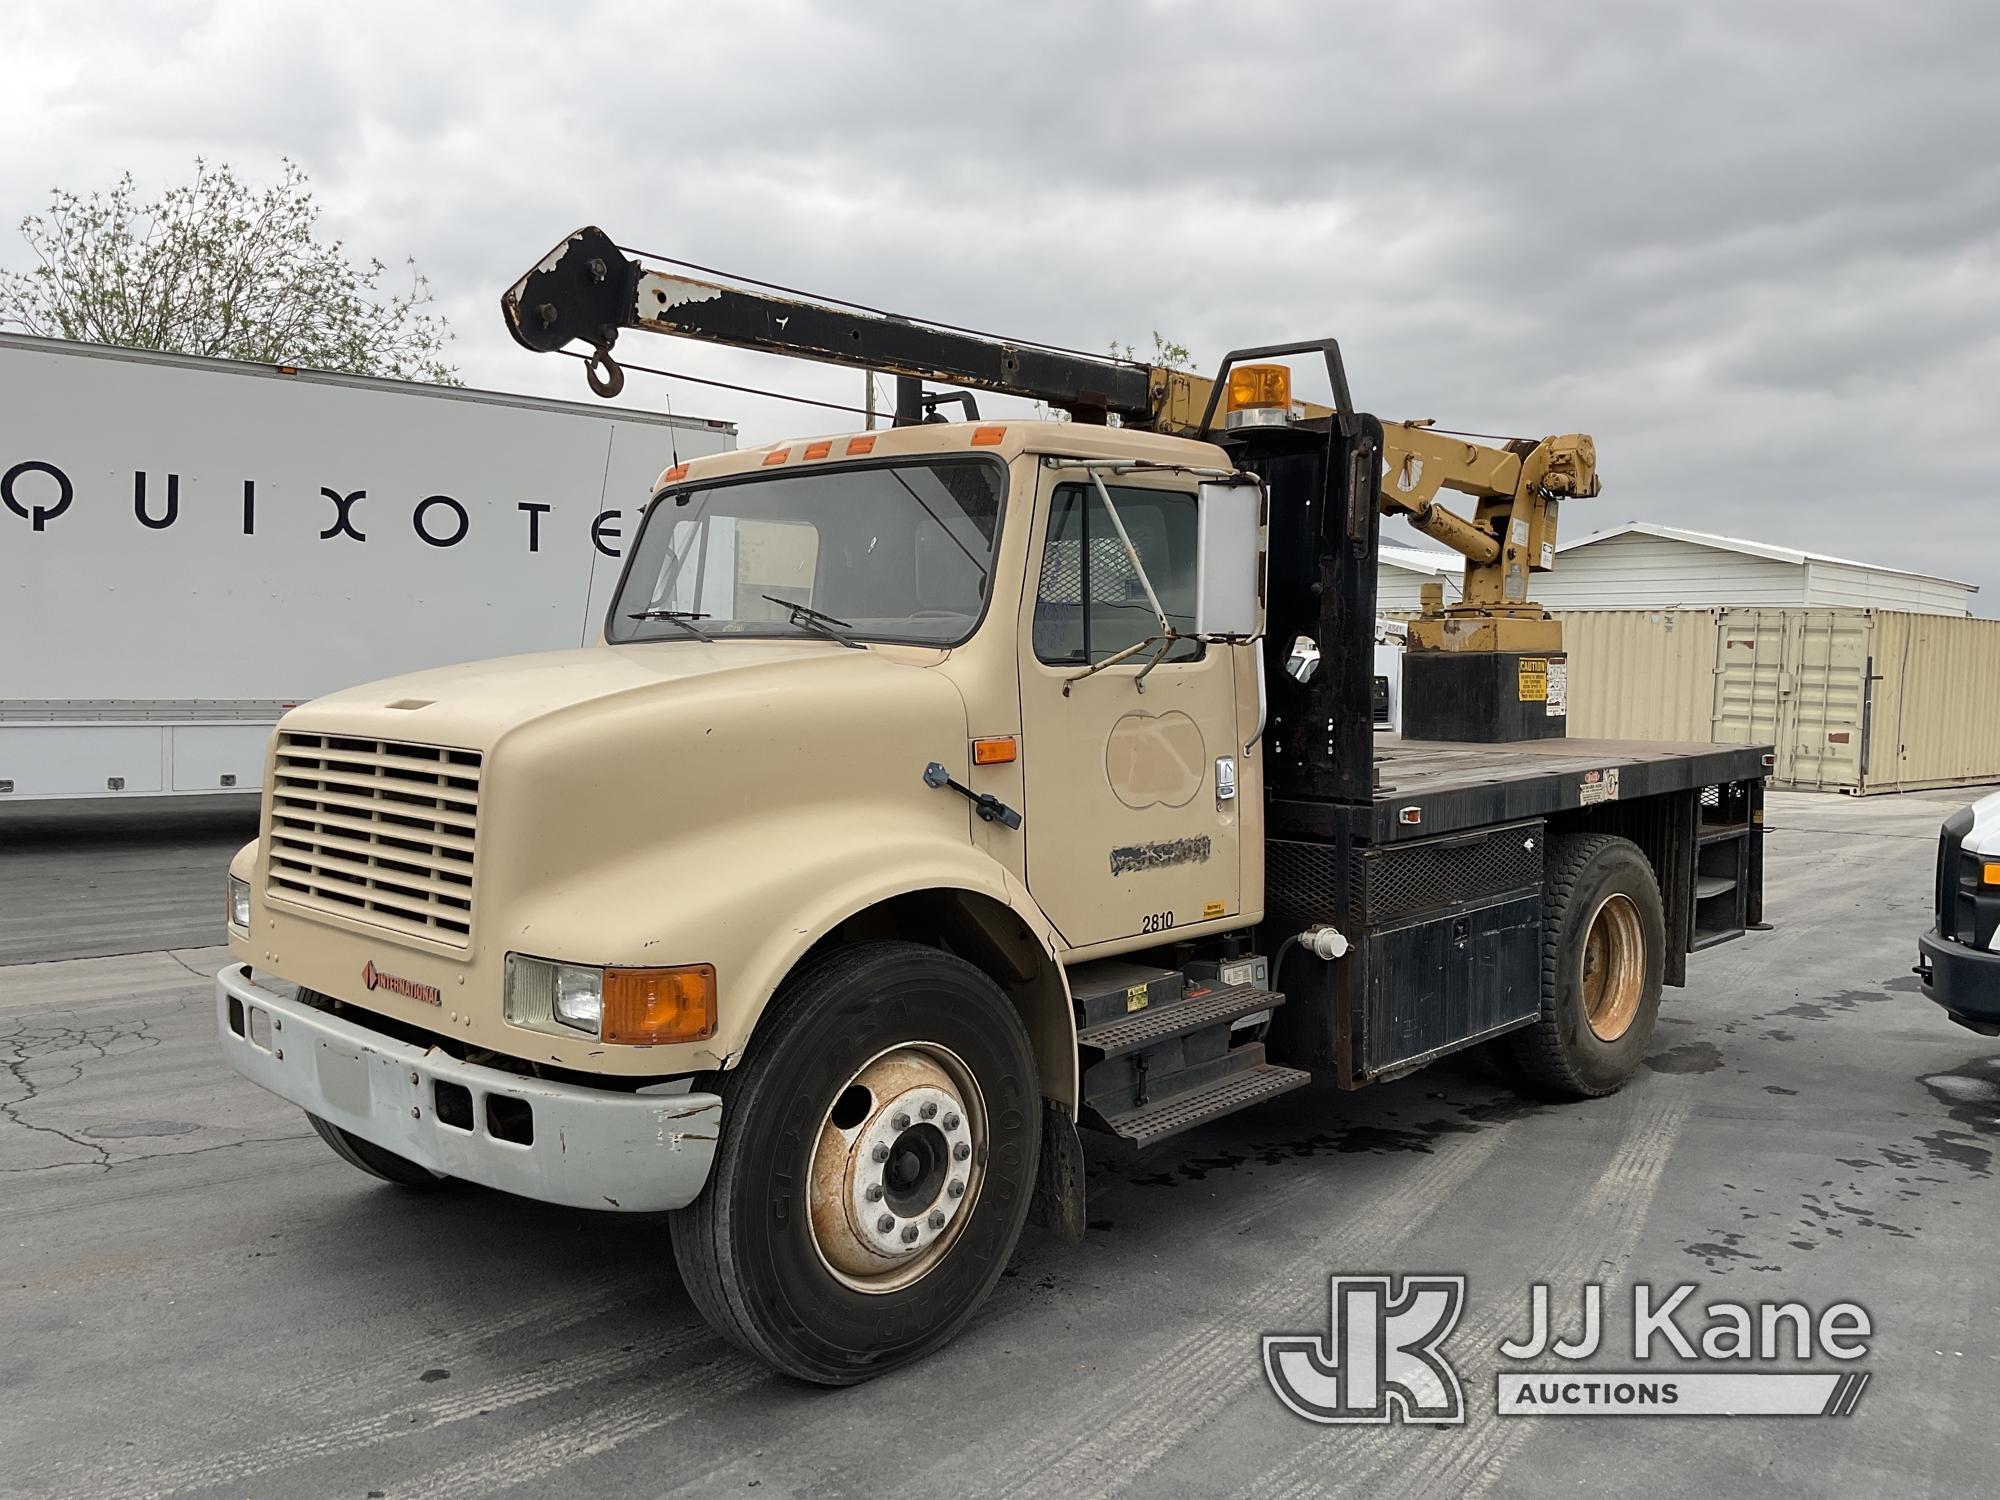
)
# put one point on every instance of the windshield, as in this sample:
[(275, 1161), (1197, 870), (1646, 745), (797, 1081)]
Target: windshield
[(892, 552)]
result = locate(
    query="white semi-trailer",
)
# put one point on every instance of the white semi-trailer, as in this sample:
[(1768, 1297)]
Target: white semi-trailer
[(188, 547)]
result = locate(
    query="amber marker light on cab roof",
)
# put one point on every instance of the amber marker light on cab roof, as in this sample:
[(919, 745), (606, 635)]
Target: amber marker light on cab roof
[(653, 1006), (1258, 396), (860, 445), (818, 450), (999, 751), (677, 472), (776, 456), (986, 437)]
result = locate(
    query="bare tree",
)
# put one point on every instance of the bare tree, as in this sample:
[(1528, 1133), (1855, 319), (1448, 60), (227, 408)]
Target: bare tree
[(219, 267), (1166, 353)]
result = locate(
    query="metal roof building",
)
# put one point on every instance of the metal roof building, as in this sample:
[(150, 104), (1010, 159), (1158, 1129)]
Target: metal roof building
[(1401, 573), (1643, 566)]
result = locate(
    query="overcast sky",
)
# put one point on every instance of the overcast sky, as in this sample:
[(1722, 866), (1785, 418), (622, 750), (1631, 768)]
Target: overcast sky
[(1750, 247)]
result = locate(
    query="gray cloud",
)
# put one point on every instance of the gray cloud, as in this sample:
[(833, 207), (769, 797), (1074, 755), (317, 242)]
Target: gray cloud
[(1753, 249)]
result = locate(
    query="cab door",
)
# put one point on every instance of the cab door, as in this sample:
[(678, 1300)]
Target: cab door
[(1129, 773)]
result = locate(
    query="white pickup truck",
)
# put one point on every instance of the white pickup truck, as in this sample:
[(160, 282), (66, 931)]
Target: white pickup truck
[(1959, 958)]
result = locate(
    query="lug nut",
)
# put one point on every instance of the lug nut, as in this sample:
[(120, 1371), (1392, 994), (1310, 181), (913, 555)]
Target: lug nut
[(950, 1121), (416, 1113), (886, 1223), (880, 1153), (413, 1075), (279, 1054), (874, 1193), (910, 1233), (937, 1218), (929, 1111), (961, 1151), (901, 1121), (957, 1190)]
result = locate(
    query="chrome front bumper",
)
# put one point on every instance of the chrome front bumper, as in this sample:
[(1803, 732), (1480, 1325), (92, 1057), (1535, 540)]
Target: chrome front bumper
[(586, 1148)]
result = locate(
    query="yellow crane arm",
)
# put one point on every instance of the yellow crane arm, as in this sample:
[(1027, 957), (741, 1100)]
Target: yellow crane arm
[(1512, 532)]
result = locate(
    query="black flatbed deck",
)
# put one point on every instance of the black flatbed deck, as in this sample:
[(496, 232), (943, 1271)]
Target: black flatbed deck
[(1453, 786)]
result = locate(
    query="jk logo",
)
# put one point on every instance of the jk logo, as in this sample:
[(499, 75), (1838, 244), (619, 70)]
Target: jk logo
[(1380, 1360)]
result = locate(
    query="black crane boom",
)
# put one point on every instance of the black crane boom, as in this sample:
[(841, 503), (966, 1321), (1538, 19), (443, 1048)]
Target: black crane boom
[(587, 289)]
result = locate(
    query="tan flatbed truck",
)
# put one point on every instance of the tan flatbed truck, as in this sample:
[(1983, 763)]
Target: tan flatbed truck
[(940, 796)]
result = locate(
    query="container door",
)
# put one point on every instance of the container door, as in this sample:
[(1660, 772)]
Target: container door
[(1751, 685), (1828, 650)]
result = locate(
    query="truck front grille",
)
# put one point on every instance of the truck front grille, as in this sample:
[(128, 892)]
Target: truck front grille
[(376, 830)]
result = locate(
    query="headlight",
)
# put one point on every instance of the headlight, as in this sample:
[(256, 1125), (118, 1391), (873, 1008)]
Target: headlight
[(539, 991), (239, 903), (642, 1007), (579, 997)]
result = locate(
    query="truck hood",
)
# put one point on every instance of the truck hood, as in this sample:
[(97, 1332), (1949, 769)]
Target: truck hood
[(473, 705)]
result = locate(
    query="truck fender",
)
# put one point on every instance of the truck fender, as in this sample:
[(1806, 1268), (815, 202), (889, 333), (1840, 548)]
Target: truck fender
[(984, 915)]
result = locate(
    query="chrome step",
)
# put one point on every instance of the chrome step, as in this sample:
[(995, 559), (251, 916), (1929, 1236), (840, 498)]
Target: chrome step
[(1209, 1007), (1178, 1112)]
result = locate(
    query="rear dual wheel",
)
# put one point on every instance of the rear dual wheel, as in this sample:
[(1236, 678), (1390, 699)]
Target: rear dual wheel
[(877, 1152), (1603, 957)]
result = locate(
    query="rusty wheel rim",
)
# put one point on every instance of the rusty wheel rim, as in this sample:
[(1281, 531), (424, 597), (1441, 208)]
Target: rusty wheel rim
[(1614, 967), (897, 1167)]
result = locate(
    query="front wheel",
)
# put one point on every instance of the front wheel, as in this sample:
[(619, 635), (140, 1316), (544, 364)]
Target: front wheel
[(374, 1160), (1603, 956), (877, 1152)]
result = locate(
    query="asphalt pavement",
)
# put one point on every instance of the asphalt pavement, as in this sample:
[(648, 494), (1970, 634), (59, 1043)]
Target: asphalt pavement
[(198, 1298)]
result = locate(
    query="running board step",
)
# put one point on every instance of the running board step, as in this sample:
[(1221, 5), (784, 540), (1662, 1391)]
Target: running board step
[(1170, 1116), (1210, 1007)]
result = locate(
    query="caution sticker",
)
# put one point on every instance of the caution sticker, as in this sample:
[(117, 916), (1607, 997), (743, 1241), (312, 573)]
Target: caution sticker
[(1598, 786), (1135, 998), (1212, 909), (1534, 679), (1558, 689)]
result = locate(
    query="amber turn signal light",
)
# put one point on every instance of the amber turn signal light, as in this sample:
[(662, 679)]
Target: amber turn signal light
[(651, 1006), (1989, 873), (999, 751)]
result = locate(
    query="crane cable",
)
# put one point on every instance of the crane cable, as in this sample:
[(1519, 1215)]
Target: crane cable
[(878, 312), (748, 390)]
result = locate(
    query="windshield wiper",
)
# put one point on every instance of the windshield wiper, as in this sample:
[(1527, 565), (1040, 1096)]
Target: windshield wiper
[(816, 620), (685, 618)]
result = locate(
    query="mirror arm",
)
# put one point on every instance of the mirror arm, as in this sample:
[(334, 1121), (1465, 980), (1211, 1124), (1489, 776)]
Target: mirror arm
[(1131, 552), (1166, 645), (1263, 702), (1110, 661)]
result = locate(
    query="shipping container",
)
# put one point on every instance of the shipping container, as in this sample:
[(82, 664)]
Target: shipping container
[(1852, 700)]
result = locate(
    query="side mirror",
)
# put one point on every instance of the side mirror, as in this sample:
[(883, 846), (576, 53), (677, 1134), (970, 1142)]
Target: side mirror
[(1229, 561)]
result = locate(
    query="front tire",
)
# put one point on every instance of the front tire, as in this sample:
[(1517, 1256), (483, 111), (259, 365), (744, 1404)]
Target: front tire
[(1603, 956), (877, 1156), (375, 1161)]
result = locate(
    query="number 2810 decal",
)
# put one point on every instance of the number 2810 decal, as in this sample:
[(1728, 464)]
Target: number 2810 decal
[(1156, 921)]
